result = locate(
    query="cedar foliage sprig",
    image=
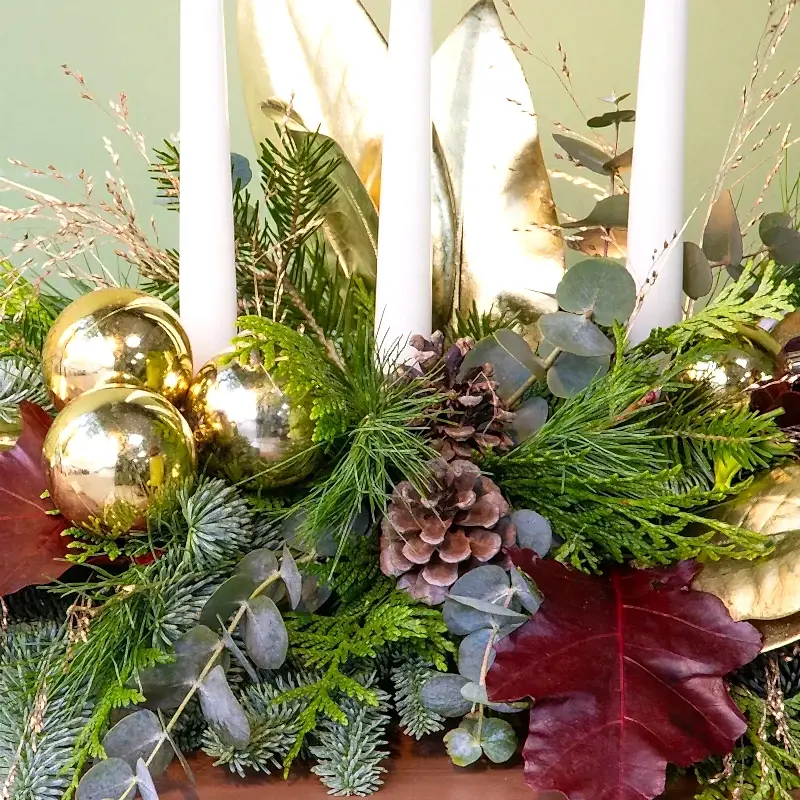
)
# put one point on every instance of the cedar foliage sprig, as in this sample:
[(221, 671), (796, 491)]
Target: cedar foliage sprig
[(624, 469), (335, 646), (766, 763)]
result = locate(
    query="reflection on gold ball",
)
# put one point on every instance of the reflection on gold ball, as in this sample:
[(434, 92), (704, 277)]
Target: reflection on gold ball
[(111, 451), (117, 336), (247, 427), (729, 374)]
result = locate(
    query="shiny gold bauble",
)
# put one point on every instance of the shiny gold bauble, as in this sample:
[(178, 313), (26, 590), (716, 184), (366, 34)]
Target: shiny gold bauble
[(247, 427), (114, 336), (787, 329), (113, 451), (730, 373)]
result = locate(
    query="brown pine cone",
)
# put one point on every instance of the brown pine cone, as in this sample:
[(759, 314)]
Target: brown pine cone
[(461, 523), (472, 418)]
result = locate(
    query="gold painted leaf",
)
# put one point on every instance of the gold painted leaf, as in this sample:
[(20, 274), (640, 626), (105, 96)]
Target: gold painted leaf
[(769, 587), (351, 219), (512, 250), (327, 60)]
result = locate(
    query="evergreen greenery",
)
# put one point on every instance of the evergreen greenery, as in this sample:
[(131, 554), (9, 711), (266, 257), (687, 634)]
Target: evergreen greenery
[(624, 469), (349, 754), (765, 765), (409, 674)]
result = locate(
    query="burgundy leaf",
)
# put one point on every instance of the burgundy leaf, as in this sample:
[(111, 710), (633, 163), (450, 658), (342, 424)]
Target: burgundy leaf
[(626, 671), (32, 547)]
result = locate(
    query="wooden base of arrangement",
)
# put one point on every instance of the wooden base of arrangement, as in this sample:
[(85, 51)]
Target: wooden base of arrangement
[(416, 771)]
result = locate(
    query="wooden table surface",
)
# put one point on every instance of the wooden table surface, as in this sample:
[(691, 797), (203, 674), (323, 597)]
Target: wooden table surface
[(417, 771)]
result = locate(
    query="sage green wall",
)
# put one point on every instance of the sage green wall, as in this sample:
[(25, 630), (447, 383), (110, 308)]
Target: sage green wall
[(131, 45)]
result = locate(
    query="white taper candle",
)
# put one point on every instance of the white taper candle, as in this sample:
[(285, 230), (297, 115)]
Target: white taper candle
[(403, 294), (656, 207), (207, 284)]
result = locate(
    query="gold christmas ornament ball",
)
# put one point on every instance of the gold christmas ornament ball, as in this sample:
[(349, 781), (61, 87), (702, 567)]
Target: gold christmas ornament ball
[(729, 374), (111, 452), (247, 427), (117, 336), (787, 329)]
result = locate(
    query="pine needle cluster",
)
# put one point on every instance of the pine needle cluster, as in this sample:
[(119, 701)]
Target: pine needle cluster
[(624, 470)]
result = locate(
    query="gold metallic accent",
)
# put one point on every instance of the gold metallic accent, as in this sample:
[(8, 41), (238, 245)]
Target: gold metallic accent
[(512, 249), (767, 588), (247, 427), (327, 61), (787, 329), (111, 452), (113, 336), (729, 374)]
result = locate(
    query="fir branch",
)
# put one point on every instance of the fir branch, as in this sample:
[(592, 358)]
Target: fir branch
[(39, 723), (274, 728), (350, 754), (409, 674)]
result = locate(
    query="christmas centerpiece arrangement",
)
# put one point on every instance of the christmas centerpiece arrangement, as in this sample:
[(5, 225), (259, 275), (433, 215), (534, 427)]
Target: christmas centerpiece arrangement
[(560, 525)]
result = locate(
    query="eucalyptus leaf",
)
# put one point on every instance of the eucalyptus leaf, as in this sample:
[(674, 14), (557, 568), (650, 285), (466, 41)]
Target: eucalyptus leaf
[(322, 543), (165, 685), (492, 609), (600, 286), (610, 212), (112, 779), (612, 118), (489, 582), (782, 240), (291, 577), (237, 653), (722, 238), (441, 693), (463, 748), (697, 275), (225, 601), (529, 419), (498, 740), (241, 172), (475, 693), (144, 780), (534, 531), (575, 334), (583, 153), (472, 654), (527, 592), (264, 633), (571, 374), (222, 710), (314, 595), (512, 360), (258, 566), (136, 737)]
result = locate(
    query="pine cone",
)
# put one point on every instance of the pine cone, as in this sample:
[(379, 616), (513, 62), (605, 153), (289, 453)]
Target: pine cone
[(473, 417), (461, 523)]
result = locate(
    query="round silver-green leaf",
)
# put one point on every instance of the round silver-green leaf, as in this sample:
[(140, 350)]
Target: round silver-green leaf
[(512, 359), (600, 286), (463, 748), (498, 740), (441, 694), (222, 710), (697, 275), (610, 212), (575, 334), (583, 153), (571, 374), (112, 778), (529, 419), (136, 737), (722, 237), (144, 781), (473, 655), (489, 582), (534, 531), (264, 633)]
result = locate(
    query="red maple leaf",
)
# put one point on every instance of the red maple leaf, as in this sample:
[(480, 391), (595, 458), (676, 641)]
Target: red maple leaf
[(32, 549), (626, 673)]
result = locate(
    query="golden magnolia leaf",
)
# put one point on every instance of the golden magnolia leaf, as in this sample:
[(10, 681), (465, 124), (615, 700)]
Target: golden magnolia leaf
[(769, 587), (351, 219), (512, 251), (326, 60)]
